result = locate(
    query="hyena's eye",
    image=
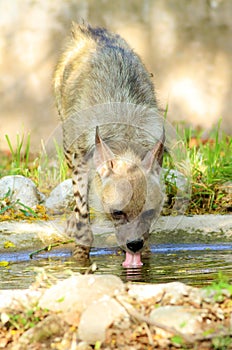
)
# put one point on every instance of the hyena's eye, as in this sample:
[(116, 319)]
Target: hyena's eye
[(118, 215), (149, 214)]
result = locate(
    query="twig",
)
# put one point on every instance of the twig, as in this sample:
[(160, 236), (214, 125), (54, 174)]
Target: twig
[(49, 247), (140, 317), (149, 335)]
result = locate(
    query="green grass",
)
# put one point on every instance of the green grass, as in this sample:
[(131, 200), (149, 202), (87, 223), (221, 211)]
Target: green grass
[(44, 170), (52, 168), (221, 288), (210, 163), (19, 158)]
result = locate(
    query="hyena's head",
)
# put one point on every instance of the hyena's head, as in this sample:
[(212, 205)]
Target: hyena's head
[(130, 193)]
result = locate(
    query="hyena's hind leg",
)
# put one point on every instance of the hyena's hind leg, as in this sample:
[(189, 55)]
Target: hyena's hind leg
[(78, 226)]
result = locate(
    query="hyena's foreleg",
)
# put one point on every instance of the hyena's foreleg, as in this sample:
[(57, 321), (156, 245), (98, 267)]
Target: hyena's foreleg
[(78, 226)]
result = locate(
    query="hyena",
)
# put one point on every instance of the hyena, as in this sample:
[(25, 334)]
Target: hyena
[(113, 138)]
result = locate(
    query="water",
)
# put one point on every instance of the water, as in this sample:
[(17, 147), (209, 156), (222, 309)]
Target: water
[(194, 264)]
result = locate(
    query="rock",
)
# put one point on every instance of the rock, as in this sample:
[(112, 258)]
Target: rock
[(146, 291), (52, 325), (226, 187), (83, 346), (177, 179), (21, 189), (181, 318), (173, 292), (77, 292), (97, 318), (19, 299), (61, 197)]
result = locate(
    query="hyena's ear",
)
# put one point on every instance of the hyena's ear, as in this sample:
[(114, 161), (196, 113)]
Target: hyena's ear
[(102, 154), (155, 155)]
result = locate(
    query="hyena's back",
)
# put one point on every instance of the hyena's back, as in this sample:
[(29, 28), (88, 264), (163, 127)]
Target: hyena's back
[(99, 67)]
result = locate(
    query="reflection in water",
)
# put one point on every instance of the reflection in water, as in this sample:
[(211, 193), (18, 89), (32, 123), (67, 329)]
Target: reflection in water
[(194, 264)]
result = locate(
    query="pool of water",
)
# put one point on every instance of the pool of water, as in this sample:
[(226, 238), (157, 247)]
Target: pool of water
[(194, 264)]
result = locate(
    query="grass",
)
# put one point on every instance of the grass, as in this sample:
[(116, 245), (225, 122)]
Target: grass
[(210, 166), (45, 170), (220, 287), (20, 160), (11, 209), (52, 168), (210, 162)]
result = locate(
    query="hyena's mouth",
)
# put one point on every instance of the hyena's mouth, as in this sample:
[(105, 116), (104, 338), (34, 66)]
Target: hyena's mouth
[(132, 260), (132, 238), (133, 254)]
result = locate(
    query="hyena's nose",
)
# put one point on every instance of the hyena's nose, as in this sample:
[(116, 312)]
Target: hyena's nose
[(135, 245)]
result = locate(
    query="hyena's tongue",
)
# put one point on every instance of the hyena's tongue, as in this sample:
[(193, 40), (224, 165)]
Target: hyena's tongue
[(132, 260)]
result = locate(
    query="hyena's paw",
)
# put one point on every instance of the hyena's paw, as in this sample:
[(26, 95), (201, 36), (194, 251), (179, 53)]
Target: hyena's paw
[(83, 237), (80, 252)]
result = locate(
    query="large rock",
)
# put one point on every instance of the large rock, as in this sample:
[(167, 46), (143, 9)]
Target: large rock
[(18, 298), (98, 317), (21, 189), (61, 197), (173, 291), (77, 292), (181, 318)]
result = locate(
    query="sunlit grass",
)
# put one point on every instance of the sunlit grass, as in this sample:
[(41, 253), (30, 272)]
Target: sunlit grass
[(19, 157), (52, 168)]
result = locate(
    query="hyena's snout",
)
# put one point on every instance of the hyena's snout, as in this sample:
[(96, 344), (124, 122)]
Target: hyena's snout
[(132, 237), (136, 245), (132, 240)]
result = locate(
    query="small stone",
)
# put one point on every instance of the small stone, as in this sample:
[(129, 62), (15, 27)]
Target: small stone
[(226, 187), (21, 188), (181, 318), (175, 291), (4, 318), (77, 292), (176, 178), (195, 296), (97, 318), (61, 197), (53, 325), (83, 346), (146, 291)]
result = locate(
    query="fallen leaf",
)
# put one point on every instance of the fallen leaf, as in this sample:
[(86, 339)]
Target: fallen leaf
[(9, 244)]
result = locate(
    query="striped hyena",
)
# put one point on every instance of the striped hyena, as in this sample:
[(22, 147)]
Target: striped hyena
[(113, 138)]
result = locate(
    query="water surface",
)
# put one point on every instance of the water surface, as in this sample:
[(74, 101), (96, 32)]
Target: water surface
[(194, 264)]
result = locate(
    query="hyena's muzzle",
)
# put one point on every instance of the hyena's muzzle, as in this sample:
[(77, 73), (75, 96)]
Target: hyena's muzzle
[(132, 237)]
